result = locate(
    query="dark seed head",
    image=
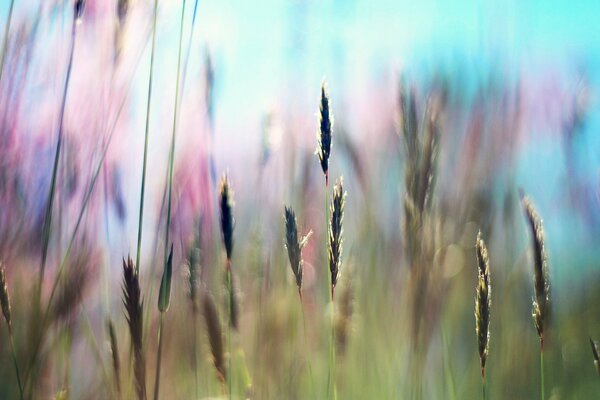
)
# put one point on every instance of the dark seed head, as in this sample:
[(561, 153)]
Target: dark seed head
[(227, 221), (294, 244), (324, 134), (336, 231), (483, 301)]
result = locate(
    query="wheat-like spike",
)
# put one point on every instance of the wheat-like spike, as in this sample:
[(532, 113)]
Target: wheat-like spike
[(336, 232), (226, 208), (132, 299), (324, 133), (4, 298), (114, 350), (213, 326), (294, 245), (541, 304), (483, 301)]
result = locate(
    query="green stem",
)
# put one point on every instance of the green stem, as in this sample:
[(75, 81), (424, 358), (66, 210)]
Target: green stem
[(172, 152), (86, 200), (5, 43), (483, 385), (46, 230), (146, 134), (159, 355), (542, 371), (312, 382), (195, 352), (229, 337), (14, 356)]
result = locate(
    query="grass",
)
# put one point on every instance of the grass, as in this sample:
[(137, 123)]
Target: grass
[(404, 280)]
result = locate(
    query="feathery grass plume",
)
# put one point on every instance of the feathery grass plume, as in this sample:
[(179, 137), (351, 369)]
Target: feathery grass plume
[(74, 285), (5, 305), (483, 301), (114, 351), (596, 356), (336, 232), (294, 245), (227, 221), (324, 134), (213, 327), (541, 304), (132, 299)]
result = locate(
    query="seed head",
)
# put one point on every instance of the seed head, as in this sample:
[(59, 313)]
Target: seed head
[(164, 295), (541, 304), (483, 301), (227, 221), (294, 244), (213, 326), (134, 314), (336, 232), (324, 134)]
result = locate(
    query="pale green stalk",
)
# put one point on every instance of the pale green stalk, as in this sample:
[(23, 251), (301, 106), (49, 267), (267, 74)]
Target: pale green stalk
[(146, 133)]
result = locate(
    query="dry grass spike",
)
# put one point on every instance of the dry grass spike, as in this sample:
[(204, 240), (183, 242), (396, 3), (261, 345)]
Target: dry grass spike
[(541, 304), (325, 132), (294, 245), (336, 232), (483, 301), (132, 299)]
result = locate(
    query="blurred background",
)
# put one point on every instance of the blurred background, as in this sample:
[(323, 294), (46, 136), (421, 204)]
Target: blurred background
[(515, 91)]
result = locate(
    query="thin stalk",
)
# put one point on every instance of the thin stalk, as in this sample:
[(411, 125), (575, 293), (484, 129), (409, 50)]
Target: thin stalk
[(483, 386), (146, 134), (229, 336), (542, 372), (50, 202), (312, 383), (172, 152), (14, 356), (195, 353), (5, 42), (86, 200), (159, 355)]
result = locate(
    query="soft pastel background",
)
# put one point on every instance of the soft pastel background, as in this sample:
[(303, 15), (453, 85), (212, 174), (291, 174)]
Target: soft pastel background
[(520, 87)]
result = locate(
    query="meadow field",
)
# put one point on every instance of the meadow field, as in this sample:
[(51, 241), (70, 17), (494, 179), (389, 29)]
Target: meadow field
[(293, 199)]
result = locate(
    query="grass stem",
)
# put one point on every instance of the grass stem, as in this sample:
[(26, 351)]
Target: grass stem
[(146, 134), (159, 355)]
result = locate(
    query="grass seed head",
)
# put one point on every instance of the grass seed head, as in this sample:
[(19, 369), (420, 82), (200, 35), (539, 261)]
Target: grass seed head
[(541, 303), (324, 134), (336, 231), (78, 10), (483, 301), (227, 221), (294, 244), (132, 299)]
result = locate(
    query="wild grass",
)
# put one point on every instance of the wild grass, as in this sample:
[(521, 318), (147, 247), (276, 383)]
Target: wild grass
[(397, 317)]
